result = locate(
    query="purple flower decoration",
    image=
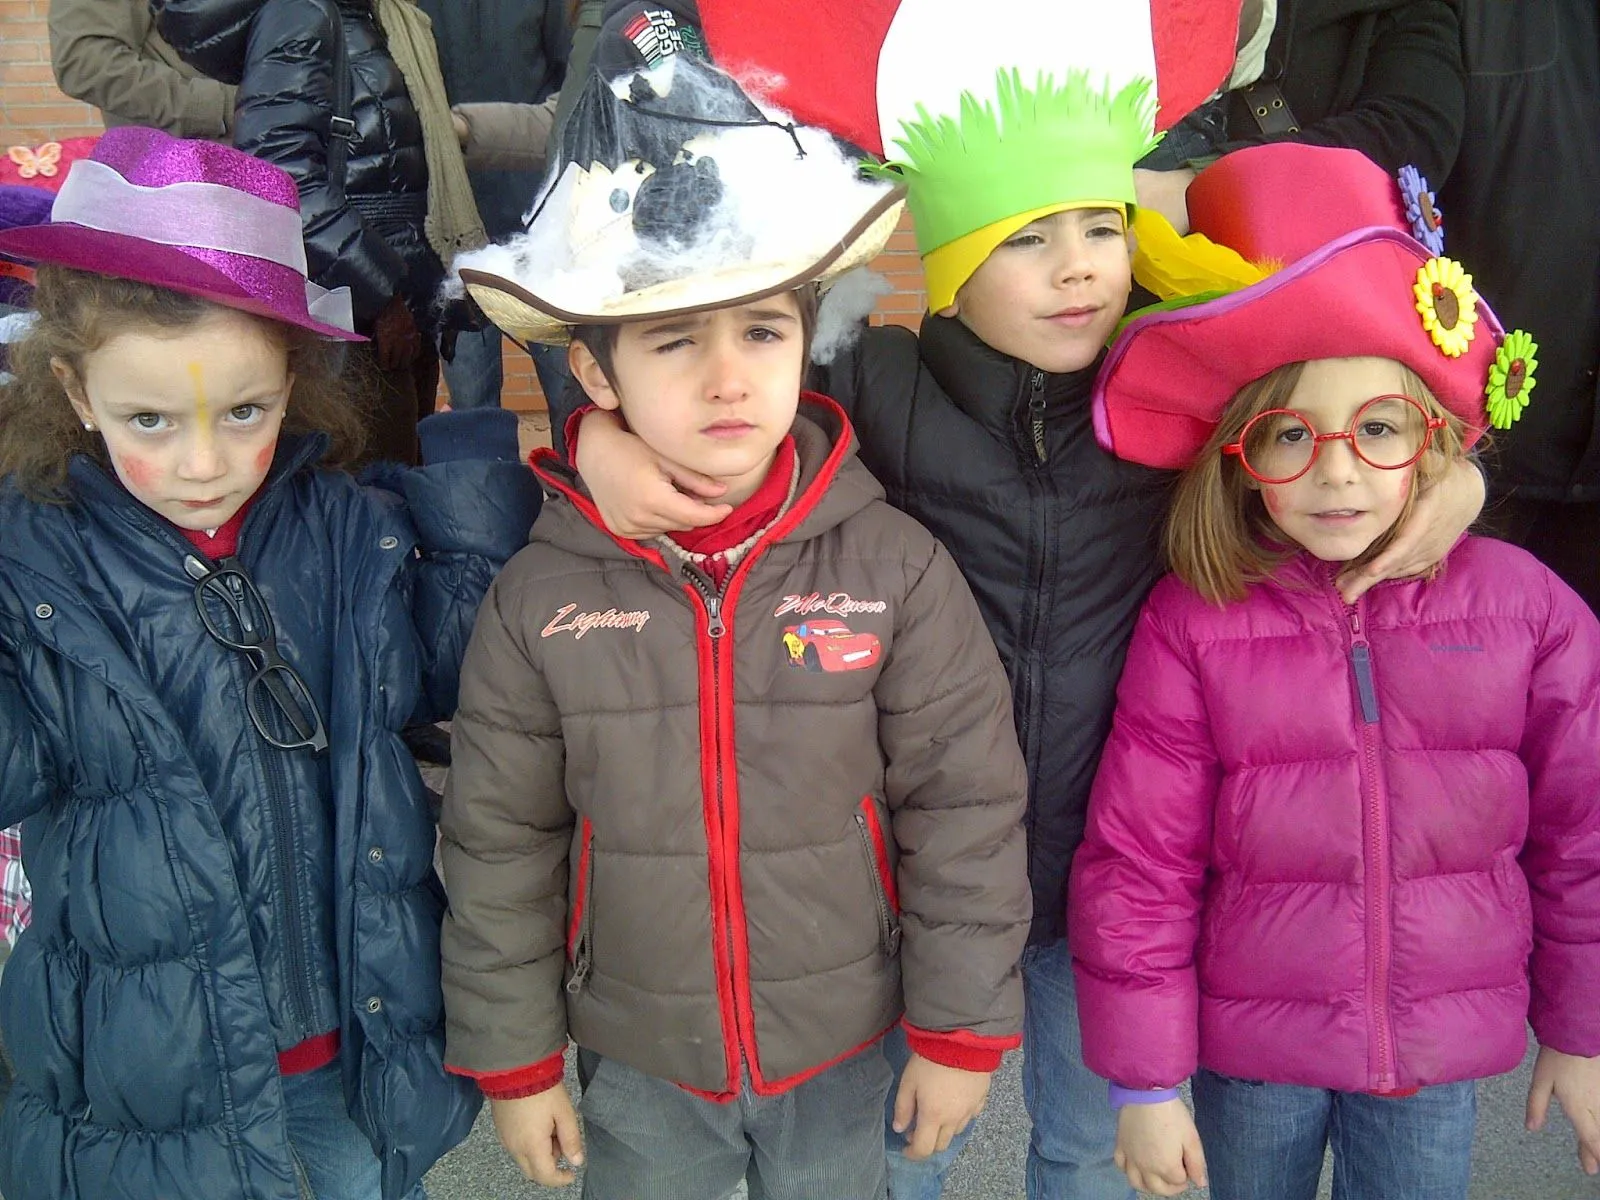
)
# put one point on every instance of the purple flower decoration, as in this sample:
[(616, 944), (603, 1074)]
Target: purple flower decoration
[(1427, 222)]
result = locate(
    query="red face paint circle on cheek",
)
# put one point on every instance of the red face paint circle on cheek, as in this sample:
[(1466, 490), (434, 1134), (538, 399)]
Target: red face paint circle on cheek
[(264, 456), (136, 470), (1272, 500)]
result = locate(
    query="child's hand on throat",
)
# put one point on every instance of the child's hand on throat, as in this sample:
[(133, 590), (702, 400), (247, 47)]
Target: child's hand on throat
[(641, 495), (1440, 516)]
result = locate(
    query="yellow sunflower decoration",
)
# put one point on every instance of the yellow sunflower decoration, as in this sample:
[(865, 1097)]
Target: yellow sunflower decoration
[(1448, 305), (1511, 378)]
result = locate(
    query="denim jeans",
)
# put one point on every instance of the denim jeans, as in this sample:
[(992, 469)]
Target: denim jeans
[(1074, 1129), (476, 375), (335, 1160), (1265, 1141), (647, 1137)]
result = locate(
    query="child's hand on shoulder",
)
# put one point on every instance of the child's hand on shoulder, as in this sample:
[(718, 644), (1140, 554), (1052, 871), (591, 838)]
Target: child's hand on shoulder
[(1158, 1148), (538, 1131), (935, 1103), (1575, 1083), (641, 495)]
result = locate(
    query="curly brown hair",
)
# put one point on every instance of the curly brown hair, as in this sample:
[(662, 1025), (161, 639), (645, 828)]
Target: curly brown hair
[(78, 313)]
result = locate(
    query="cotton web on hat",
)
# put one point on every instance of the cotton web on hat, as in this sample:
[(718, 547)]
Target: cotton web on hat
[(676, 192), (1041, 106)]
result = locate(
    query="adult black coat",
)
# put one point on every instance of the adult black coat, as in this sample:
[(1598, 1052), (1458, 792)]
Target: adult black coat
[(364, 231), (1379, 76), (1058, 540), (137, 1005), (1521, 212)]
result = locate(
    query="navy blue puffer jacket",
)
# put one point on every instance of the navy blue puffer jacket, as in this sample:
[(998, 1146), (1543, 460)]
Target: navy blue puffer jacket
[(137, 1006)]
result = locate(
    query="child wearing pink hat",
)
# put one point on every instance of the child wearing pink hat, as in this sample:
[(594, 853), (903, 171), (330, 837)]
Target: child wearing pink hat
[(210, 640), (1338, 854)]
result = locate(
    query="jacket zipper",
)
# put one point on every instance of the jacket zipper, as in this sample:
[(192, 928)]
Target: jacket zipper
[(285, 842), (711, 597), (1033, 585), (888, 931), (583, 947), (1036, 413), (1378, 898)]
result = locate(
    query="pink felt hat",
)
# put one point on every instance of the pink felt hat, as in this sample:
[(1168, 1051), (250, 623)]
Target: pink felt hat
[(1351, 280), (195, 217)]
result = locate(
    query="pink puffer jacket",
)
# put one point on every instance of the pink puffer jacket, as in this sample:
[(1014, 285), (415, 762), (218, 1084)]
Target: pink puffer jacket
[(1331, 846)]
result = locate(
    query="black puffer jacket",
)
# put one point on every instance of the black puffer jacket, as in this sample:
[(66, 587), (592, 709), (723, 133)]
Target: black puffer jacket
[(1379, 76), (368, 234), (1059, 549), (1520, 212)]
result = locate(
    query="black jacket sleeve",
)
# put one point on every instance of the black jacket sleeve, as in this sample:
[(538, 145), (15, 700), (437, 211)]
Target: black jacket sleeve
[(1400, 97), (284, 115)]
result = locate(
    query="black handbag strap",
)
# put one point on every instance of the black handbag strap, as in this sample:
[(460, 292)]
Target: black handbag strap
[(341, 129)]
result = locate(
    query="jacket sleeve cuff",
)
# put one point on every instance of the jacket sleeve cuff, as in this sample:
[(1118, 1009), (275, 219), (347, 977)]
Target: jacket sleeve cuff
[(960, 1048), (481, 433), (519, 1083), (574, 425)]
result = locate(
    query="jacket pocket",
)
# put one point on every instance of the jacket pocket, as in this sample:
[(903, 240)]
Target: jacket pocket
[(1511, 37), (884, 893), (580, 920)]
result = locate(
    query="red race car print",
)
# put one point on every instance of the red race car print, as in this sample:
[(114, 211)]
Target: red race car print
[(830, 646)]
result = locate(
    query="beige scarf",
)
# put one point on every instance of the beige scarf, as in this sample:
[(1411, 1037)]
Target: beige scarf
[(453, 224)]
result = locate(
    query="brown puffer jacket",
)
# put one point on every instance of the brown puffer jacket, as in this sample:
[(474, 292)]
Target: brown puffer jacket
[(731, 826)]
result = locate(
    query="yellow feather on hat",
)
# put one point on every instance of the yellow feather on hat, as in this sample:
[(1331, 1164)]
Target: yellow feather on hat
[(1171, 266)]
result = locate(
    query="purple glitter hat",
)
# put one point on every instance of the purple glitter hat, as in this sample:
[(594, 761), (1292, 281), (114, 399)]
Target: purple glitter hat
[(191, 216)]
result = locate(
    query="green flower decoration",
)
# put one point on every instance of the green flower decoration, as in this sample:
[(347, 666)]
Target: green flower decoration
[(1511, 378)]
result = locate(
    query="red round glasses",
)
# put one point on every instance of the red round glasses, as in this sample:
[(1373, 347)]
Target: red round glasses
[(1387, 432)]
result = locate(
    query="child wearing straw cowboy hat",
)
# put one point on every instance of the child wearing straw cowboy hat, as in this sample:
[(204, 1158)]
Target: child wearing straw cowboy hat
[(1018, 154), (210, 640), (725, 806)]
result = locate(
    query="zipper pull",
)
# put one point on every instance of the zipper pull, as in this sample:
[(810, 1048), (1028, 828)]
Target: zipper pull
[(714, 626), (1036, 412), (1355, 620), (1361, 660), (580, 974)]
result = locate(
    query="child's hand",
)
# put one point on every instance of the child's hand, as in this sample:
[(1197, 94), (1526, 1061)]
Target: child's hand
[(640, 494), (536, 1131), (1158, 1148), (936, 1103), (1575, 1082), (1441, 515)]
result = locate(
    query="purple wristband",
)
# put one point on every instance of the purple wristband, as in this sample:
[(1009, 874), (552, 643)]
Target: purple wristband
[(1121, 1096)]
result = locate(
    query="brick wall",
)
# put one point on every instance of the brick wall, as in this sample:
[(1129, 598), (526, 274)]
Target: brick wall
[(33, 111)]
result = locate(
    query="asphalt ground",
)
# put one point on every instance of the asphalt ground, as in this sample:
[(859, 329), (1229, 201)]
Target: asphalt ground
[(1509, 1163)]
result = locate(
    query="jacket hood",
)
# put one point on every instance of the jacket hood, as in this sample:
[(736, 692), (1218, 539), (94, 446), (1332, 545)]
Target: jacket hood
[(834, 486)]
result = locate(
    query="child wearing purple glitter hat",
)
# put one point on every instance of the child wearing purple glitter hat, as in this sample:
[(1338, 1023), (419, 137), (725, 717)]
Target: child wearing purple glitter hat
[(210, 639)]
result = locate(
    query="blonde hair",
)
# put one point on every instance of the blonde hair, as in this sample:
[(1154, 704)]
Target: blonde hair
[(1219, 536)]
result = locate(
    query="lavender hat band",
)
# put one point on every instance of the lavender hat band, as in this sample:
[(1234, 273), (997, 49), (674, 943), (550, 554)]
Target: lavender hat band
[(197, 216)]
